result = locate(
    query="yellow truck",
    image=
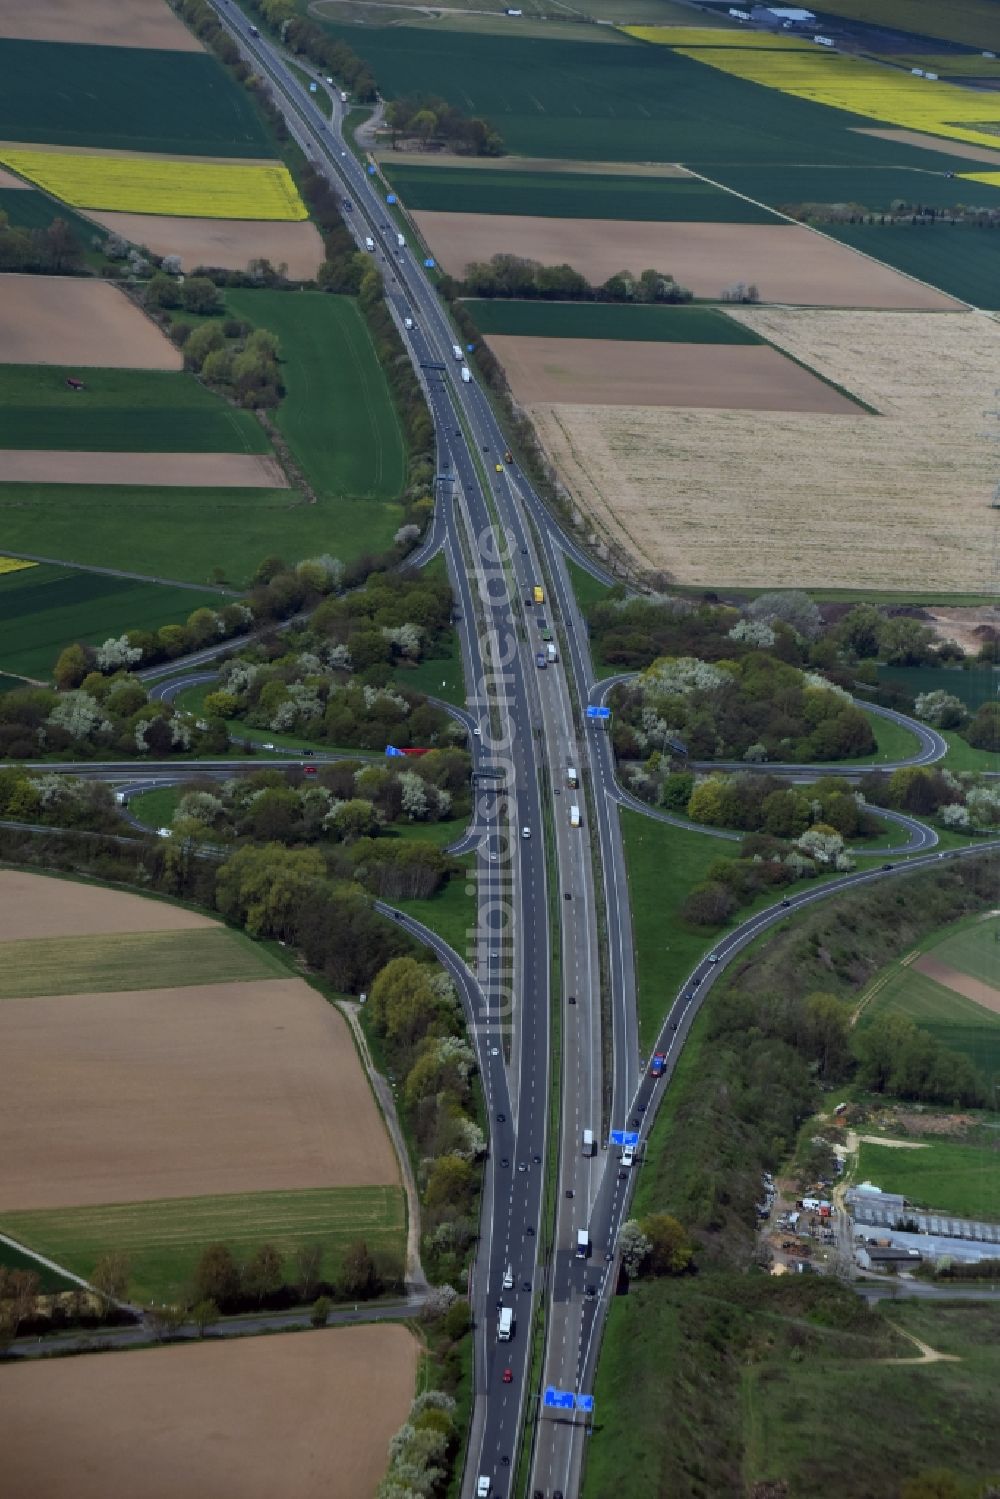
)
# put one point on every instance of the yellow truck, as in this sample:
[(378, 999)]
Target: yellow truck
[(538, 594)]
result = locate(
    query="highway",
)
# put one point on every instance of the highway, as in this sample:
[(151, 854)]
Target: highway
[(552, 896)]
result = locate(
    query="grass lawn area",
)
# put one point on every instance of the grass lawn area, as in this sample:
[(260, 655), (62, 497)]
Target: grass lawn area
[(959, 1179), (894, 743), (962, 756), (588, 589), (43, 608), (132, 960), (337, 415), (126, 98), (437, 676), (689, 325), (164, 1240), (449, 830), (958, 258), (156, 808), (451, 913), (570, 195), (121, 411)]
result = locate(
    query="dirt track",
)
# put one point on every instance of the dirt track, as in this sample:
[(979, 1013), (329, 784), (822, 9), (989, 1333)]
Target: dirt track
[(594, 371), (935, 143), (230, 243), (7, 179), (62, 320), (198, 1091), (190, 470), (109, 23), (304, 1416), (961, 983), (35, 905), (787, 262), (560, 165)]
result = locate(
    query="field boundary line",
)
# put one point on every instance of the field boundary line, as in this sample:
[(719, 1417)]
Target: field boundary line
[(864, 254), (118, 572)]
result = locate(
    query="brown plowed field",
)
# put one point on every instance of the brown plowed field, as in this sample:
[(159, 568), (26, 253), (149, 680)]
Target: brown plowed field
[(36, 905), (533, 164), (962, 983), (190, 470), (189, 1092), (306, 1416), (229, 243), (801, 500), (935, 143), (61, 320), (787, 262), (107, 23), (594, 371), (7, 179)]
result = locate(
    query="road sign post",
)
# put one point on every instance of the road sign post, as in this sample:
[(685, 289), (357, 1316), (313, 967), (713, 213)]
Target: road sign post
[(599, 715)]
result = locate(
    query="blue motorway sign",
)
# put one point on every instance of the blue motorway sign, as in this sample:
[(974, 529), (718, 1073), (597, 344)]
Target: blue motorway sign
[(560, 1400), (598, 712), (624, 1137), (585, 1403), (390, 197), (430, 262), (371, 171)]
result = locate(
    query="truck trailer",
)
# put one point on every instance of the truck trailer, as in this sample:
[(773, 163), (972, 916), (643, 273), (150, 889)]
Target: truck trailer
[(552, 653), (583, 1244), (574, 816), (505, 1326)]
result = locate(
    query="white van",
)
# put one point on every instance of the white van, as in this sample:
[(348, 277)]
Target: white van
[(505, 1327), (482, 1488), (589, 1143), (628, 1155)]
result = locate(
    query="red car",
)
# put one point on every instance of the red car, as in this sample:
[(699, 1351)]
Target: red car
[(508, 1375), (657, 1065)]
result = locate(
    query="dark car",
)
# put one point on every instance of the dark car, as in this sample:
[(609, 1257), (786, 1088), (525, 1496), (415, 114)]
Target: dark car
[(786, 902), (572, 999), (886, 866)]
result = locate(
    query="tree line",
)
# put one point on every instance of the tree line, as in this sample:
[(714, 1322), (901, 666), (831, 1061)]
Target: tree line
[(55, 250), (434, 122), (506, 275)]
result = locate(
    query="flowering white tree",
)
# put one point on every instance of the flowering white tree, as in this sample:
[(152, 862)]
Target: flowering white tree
[(753, 632), (114, 654), (406, 638), (414, 789), (80, 715), (940, 708)]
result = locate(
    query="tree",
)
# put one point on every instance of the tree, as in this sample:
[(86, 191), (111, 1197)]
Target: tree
[(221, 704), (264, 1274), (709, 904), (321, 1309), (166, 1320), (202, 342), (934, 1483), (203, 1314), (359, 1278), (670, 1248), (309, 1263), (162, 291), (199, 294), (457, 1320), (634, 1247), (111, 1275), (72, 666), (794, 608), (216, 1277), (858, 631)]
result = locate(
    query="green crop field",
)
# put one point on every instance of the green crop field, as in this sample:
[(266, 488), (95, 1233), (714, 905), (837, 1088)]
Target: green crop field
[(959, 259), (48, 1280), (125, 98), (583, 101), (872, 188), (26, 208), (974, 23), (164, 1240), (337, 416), (570, 195), (131, 960), (959, 1179), (974, 950), (971, 687), (955, 1021), (687, 325), (125, 411), (43, 608)]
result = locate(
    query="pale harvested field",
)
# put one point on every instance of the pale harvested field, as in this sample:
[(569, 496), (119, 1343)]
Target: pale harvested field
[(34, 905), (108, 23), (62, 320), (187, 1092), (961, 983), (787, 262), (532, 164), (305, 1416), (728, 497), (193, 470), (7, 179), (229, 243), (220, 161), (595, 371), (934, 143)]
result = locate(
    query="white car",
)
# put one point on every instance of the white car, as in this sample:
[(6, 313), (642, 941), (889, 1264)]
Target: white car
[(628, 1155), (477, 731), (508, 1278), (525, 832), (713, 957)]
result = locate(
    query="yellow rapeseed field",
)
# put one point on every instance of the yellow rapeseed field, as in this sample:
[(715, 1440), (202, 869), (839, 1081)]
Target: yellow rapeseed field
[(861, 88), (710, 36), (14, 565), (991, 178), (155, 184)]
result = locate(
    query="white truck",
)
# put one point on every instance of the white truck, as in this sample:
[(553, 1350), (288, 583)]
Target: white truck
[(456, 350), (628, 1155), (369, 243), (589, 1143), (401, 241), (572, 779), (505, 1326), (552, 653), (574, 816), (343, 96), (482, 1487), (465, 373), (408, 323), (583, 1245)]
